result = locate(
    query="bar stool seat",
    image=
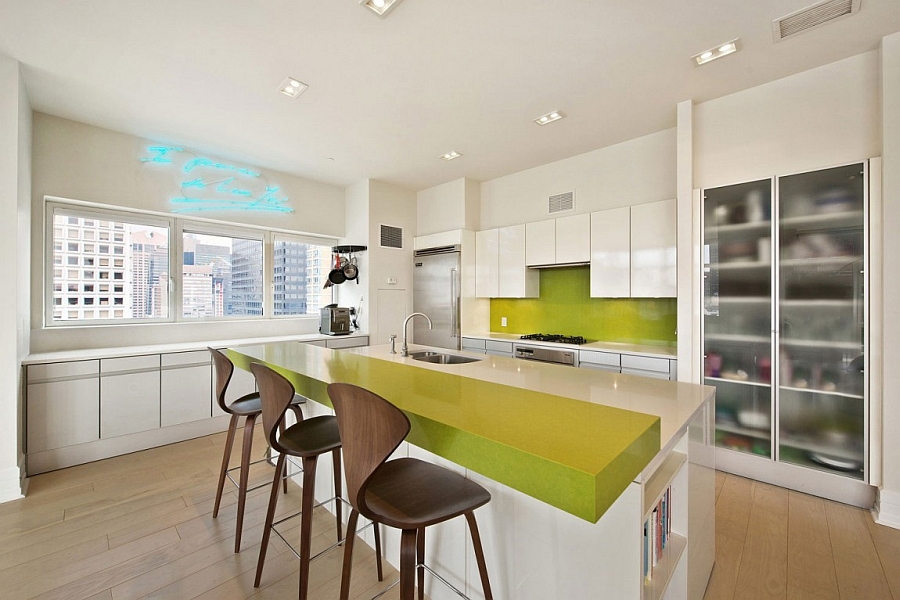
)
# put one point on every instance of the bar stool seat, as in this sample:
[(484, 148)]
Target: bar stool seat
[(405, 493), (248, 407)]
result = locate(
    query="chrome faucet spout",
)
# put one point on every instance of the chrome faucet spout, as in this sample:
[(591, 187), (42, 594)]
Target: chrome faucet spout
[(404, 349)]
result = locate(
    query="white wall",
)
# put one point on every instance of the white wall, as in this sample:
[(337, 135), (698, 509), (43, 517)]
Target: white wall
[(82, 162), (889, 500), (354, 294), (447, 207), (819, 118), (15, 151), (633, 172)]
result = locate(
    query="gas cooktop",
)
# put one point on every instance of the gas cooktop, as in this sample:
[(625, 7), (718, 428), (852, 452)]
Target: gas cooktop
[(560, 339)]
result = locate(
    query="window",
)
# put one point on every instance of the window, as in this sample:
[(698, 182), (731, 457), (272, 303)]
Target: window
[(298, 270), (222, 276), (128, 271)]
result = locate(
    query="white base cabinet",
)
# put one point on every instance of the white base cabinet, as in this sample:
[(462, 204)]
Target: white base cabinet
[(63, 404), (186, 387), (129, 395)]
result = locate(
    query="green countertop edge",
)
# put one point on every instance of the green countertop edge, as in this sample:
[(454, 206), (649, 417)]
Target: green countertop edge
[(582, 494)]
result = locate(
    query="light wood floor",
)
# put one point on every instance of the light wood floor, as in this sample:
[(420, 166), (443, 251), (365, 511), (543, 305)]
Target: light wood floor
[(141, 526), (776, 543)]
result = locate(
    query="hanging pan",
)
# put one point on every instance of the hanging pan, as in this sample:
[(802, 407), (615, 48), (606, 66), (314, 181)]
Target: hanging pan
[(336, 276), (350, 269)]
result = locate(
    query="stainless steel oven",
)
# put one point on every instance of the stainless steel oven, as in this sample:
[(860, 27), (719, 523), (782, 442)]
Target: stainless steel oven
[(560, 356)]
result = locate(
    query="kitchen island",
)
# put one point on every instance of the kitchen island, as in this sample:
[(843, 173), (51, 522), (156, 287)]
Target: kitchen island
[(575, 460)]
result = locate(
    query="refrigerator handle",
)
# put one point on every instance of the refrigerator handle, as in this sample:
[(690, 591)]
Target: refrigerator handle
[(454, 305)]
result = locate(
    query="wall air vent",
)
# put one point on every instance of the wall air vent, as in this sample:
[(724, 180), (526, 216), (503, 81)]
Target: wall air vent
[(561, 202), (812, 16), (391, 237)]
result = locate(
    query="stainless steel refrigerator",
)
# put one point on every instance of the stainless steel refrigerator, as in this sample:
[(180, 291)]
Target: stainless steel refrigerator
[(436, 285)]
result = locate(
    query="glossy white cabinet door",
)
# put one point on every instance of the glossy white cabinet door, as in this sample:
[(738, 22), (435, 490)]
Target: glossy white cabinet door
[(515, 279), (486, 262), (653, 250), (540, 243), (63, 405), (611, 253), (129, 395), (573, 239), (186, 393)]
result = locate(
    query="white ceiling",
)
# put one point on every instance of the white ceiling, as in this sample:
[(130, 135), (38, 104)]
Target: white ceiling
[(388, 97)]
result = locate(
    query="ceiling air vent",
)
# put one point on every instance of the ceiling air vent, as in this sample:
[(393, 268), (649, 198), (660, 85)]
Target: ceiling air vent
[(391, 237), (561, 202), (812, 16)]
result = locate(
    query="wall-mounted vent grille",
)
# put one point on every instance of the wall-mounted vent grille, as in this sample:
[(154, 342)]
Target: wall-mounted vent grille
[(812, 16), (561, 202), (391, 237)]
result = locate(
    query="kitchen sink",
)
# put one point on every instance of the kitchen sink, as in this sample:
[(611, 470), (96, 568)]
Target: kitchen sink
[(440, 358)]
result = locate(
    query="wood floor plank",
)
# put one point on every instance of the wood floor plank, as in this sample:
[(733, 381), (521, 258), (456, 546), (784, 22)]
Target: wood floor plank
[(763, 571), (723, 580), (737, 493), (810, 560)]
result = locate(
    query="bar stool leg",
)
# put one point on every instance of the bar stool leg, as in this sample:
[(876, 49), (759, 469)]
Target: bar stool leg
[(226, 458), (408, 564), (377, 531), (420, 560), (336, 462), (249, 423), (270, 516), (348, 555), (281, 427), (309, 485), (479, 555)]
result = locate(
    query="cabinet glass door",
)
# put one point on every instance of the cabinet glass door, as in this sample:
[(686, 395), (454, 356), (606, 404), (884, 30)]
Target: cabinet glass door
[(737, 313), (821, 319)]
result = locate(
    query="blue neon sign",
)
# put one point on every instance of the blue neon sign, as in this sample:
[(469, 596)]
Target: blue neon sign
[(239, 189)]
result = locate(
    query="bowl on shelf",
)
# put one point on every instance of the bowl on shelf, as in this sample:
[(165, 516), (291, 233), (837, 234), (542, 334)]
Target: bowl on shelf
[(754, 419)]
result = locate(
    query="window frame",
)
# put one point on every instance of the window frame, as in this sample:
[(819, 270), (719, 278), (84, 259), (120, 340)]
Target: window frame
[(177, 226)]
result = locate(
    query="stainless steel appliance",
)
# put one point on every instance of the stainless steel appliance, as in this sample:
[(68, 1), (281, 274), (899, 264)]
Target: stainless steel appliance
[(436, 285), (559, 356), (334, 321)]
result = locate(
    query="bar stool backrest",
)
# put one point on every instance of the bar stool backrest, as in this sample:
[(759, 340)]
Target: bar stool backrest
[(224, 371), (371, 429), (275, 394)]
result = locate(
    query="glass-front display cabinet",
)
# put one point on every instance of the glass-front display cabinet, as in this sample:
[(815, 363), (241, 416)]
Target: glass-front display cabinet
[(784, 317)]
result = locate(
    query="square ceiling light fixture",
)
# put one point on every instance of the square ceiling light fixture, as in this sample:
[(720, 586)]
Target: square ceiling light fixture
[(451, 155), (291, 87), (717, 52), (380, 7), (549, 117)]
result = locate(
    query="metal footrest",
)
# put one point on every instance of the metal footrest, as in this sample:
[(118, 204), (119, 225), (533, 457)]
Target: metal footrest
[(316, 505)]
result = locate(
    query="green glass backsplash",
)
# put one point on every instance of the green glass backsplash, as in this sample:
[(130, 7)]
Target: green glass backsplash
[(565, 307)]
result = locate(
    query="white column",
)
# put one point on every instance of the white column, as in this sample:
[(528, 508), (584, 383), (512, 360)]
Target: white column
[(888, 509), (688, 302)]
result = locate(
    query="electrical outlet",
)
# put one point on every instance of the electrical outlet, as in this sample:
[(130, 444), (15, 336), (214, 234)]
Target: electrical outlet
[(502, 321), (392, 280)]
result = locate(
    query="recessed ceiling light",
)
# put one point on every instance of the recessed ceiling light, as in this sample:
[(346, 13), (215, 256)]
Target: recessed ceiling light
[(380, 7), (291, 87), (549, 117), (451, 155), (717, 52)]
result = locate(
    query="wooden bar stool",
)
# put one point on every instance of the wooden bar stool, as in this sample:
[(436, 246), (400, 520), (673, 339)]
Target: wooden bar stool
[(249, 407), (306, 439), (405, 493)]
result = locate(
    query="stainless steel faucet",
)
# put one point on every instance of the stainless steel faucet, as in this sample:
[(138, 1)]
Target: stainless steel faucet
[(404, 349)]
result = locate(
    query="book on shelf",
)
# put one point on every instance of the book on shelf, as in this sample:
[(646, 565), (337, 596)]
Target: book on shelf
[(656, 532)]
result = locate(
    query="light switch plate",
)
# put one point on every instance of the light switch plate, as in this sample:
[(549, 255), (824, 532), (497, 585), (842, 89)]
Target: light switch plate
[(392, 280), (502, 321)]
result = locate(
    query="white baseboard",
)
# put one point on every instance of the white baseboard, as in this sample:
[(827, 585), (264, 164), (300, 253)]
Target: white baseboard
[(887, 509), (10, 484)]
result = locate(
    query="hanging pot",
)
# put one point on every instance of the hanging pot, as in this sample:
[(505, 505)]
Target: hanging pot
[(336, 276), (350, 269)]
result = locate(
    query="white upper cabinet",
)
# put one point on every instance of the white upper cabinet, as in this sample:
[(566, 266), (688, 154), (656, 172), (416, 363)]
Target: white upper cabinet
[(573, 239), (540, 243), (654, 250), (487, 260), (558, 241), (500, 270), (611, 253)]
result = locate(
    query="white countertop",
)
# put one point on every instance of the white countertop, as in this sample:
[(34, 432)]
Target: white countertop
[(96, 353), (660, 351)]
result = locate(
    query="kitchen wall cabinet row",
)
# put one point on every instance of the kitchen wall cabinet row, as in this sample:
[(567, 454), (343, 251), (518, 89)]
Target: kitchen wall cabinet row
[(602, 360), (631, 252), (83, 410)]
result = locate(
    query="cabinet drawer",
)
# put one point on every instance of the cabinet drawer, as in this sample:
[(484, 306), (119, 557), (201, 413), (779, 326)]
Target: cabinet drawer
[(646, 373), (473, 344), (595, 357), (599, 367), (645, 363), (186, 394), (129, 363), (129, 401), (496, 346), (195, 357), (321, 343), (63, 413), (75, 370)]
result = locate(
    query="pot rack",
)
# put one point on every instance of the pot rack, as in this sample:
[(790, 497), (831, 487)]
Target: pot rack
[(340, 251)]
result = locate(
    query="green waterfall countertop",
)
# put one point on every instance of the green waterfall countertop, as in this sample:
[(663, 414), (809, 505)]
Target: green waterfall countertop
[(573, 438)]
